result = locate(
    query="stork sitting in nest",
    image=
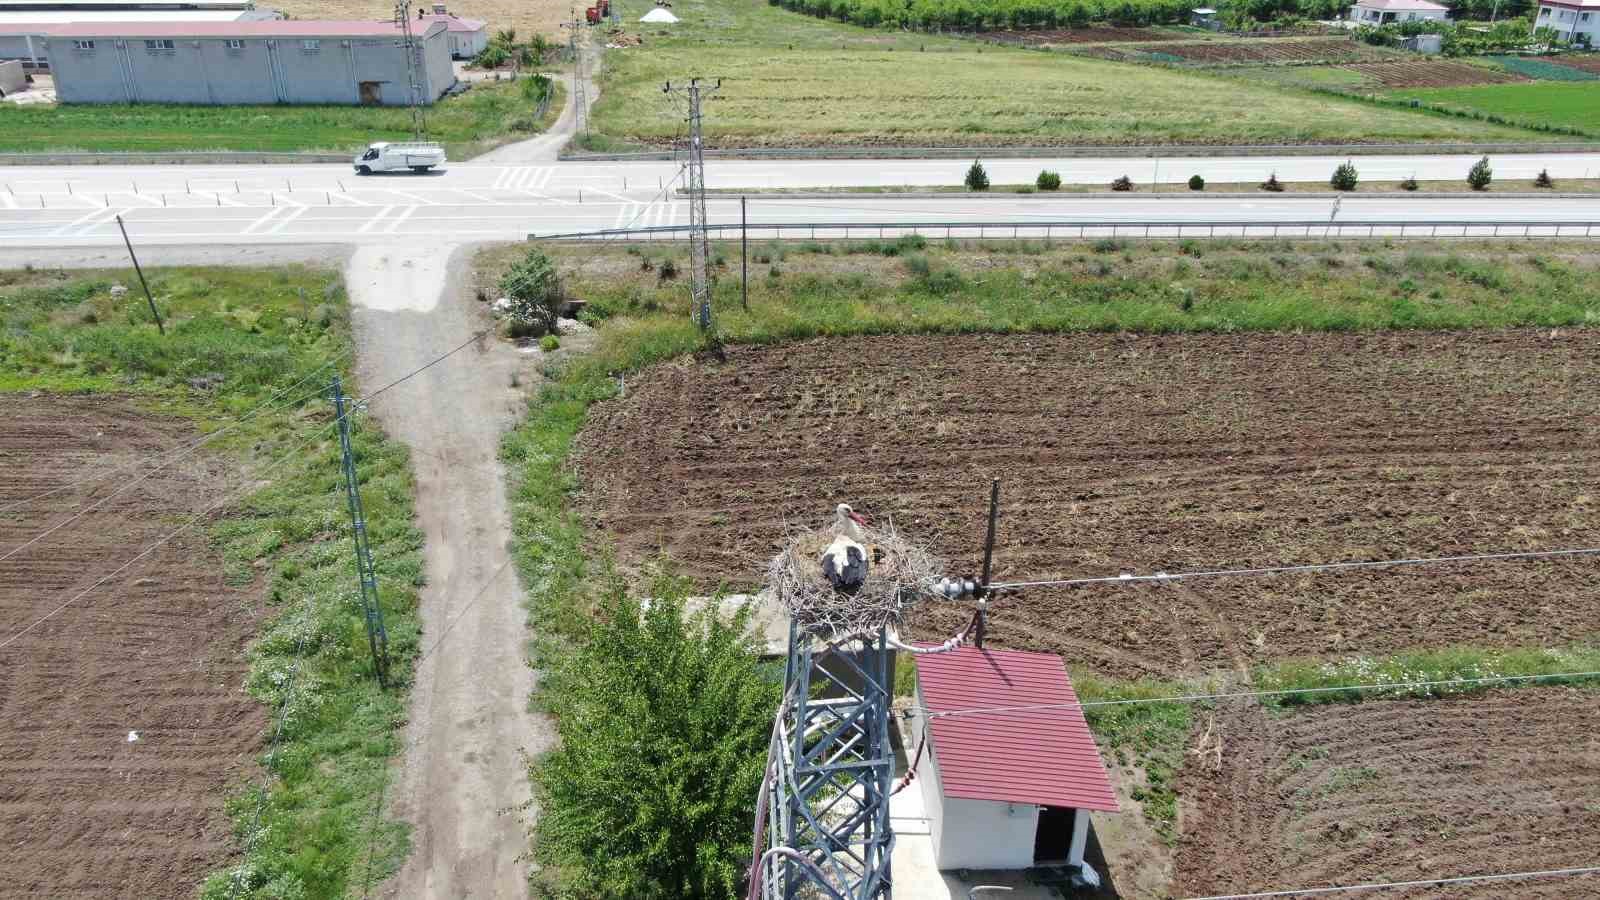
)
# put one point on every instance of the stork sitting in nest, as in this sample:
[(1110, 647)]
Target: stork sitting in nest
[(845, 561)]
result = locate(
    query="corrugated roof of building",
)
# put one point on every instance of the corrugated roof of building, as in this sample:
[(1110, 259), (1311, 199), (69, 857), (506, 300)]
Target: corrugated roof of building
[(1419, 5), (296, 28), (456, 23), (1042, 756)]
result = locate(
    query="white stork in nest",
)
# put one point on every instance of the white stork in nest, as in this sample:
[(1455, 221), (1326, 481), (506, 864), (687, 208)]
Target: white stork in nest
[(845, 561)]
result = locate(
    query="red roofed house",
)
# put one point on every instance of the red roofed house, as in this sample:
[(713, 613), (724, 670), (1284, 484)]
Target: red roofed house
[(467, 37), (1384, 12), (1011, 787)]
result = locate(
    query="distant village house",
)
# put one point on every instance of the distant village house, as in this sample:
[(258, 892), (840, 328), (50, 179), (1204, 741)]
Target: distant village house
[(467, 37), (1389, 12), (1573, 21)]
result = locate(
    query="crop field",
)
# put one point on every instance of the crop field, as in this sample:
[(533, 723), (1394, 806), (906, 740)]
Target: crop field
[(791, 80), (86, 811), (1587, 63), (1100, 34), (1432, 73), (1396, 791), (1258, 50), (1154, 453), (1569, 104)]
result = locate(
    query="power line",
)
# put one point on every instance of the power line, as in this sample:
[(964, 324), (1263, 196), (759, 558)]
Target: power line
[(1162, 577), (1230, 695), (1431, 882), (183, 450), (195, 519)]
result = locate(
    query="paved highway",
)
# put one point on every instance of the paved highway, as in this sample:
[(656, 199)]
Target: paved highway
[(77, 206)]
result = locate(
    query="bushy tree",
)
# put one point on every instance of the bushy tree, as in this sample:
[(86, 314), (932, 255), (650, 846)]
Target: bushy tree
[(977, 177), (1272, 184), (1345, 177), (1048, 181), (1196, 183), (534, 289), (1480, 175), (1122, 183), (1543, 180), (664, 725)]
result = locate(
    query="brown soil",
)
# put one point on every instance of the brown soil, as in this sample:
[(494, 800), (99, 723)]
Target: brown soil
[(1398, 791), (1431, 73), (1582, 63), (1105, 35), (158, 650), (1270, 51), (1143, 453)]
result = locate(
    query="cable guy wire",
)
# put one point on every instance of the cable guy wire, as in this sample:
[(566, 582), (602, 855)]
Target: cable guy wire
[(1432, 882), (1161, 577), (182, 451)]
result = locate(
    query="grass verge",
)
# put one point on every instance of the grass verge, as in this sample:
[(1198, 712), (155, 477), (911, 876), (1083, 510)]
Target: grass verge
[(790, 80), (468, 124), (1572, 105), (1404, 671), (262, 331)]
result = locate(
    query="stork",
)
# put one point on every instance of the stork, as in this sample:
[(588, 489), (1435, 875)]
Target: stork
[(845, 560)]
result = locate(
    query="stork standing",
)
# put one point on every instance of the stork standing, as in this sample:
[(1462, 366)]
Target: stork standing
[(845, 560)]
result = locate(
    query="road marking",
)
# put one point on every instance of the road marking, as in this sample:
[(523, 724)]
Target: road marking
[(424, 201), (545, 175), (476, 196), (538, 196), (376, 218), (83, 221), (348, 198), (396, 222), (285, 220), (626, 213), (611, 195), (264, 220)]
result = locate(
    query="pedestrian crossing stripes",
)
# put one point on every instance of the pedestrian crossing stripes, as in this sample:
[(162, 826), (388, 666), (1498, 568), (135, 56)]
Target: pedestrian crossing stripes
[(634, 214), (523, 178)]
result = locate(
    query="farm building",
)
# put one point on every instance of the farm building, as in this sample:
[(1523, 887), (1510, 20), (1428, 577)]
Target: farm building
[(466, 37), (245, 62), (1012, 789), (1385, 12), (24, 24), (1574, 21)]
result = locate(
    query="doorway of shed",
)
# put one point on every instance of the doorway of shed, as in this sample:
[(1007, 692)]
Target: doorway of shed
[(1052, 842), (371, 93)]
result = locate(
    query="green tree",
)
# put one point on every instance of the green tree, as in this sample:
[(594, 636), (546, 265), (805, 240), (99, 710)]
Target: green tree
[(1048, 180), (534, 288), (664, 724), (1480, 175), (1344, 178), (977, 177)]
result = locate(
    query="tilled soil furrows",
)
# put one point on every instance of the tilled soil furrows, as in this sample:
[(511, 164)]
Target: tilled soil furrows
[(1144, 453), (157, 650), (1397, 791)]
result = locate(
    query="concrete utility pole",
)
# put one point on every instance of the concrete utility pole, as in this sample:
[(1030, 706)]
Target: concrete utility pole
[(160, 326), (402, 20), (699, 241)]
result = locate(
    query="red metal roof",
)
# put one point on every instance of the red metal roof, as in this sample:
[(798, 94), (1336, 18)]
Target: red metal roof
[(261, 28), (1042, 756)]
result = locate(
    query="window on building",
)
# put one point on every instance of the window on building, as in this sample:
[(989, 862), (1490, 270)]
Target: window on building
[(1583, 17), (83, 45), (235, 44), (311, 45), (1544, 12), (162, 44)]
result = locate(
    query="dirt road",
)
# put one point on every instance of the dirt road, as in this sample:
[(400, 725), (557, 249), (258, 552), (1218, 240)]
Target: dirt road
[(547, 147), (463, 785)]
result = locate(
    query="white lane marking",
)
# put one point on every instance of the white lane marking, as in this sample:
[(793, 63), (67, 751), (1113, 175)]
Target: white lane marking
[(271, 214), (672, 213), (9, 199), (397, 220), (626, 213), (376, 218), (547, 199), (423, 201), (476, 196), (348, 198), (611, 195), (285, 199), (544, 177), (83, 221), (285, 220)]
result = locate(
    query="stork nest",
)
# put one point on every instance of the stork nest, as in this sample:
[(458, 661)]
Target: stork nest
[(898, 572)]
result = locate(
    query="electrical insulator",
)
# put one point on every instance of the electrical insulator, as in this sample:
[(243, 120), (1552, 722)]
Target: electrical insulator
[(955, 588)]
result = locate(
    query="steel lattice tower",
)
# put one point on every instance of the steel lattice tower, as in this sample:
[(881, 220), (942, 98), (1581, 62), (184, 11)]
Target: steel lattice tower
[(699, 241), (402, 19), (827, 803)]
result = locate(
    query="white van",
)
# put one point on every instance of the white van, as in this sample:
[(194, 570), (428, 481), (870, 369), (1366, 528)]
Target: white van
[(386, 157)]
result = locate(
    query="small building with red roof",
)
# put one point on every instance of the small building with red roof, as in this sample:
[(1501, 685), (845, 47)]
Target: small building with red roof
[(1009, 769), (466, 38)]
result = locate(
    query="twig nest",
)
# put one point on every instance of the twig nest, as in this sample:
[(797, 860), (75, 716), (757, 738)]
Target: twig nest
[(898, 572)]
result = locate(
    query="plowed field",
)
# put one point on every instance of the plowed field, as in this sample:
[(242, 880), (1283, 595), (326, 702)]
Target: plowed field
[(1035, 37), (1270, 51), (157, 650), (1582, 63), (1431, 73), (1144, 453), (1397, 791)]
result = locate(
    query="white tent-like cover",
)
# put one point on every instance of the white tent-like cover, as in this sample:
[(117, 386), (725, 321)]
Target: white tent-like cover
[(659, 16)]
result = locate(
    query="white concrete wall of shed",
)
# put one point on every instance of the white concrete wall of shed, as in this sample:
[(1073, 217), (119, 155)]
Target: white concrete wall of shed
[(467, 44), (12, 78)]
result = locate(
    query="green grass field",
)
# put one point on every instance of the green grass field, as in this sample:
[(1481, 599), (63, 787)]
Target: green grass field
[(1573, 104), (468, 124), (793, 80)]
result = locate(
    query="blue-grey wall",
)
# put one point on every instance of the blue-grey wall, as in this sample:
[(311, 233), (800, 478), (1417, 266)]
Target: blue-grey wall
[(276, 70)]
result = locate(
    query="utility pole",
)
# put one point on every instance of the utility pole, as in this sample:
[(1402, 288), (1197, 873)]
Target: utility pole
[(402, 20), (744, 257), (377, 637), (699, 241), (140, 272), (580, 94)]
